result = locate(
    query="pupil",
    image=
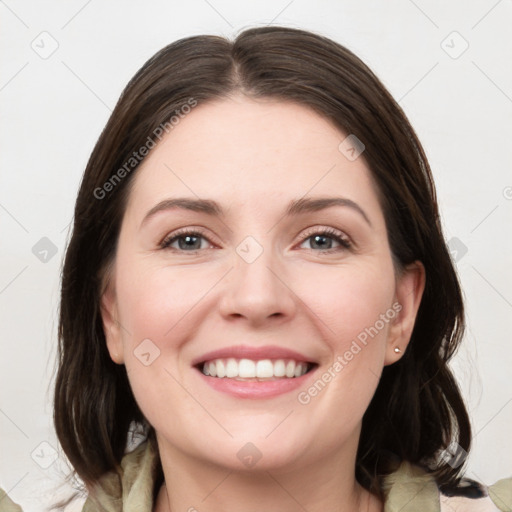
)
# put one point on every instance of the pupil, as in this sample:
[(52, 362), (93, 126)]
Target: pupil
[(187, 243), (320, 237)]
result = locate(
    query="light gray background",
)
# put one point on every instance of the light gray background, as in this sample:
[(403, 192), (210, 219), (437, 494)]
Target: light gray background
[(53, 108)]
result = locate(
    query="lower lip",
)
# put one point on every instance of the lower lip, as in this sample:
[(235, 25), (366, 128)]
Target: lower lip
[(254, 390)]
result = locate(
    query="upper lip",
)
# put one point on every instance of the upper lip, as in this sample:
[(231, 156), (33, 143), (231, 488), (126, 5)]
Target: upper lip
[(254, 353)]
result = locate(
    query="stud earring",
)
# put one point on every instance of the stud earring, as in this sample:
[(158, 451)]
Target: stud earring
[(397, 350)]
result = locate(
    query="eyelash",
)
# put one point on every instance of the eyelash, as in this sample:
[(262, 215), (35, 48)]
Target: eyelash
[(338, 236)]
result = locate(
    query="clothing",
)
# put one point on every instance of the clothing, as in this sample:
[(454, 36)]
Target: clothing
[(409, 489)]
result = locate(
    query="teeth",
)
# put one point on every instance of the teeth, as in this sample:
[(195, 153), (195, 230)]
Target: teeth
[(248, 369), (279, 368), (290, 369), (221, 369), (231, 368), (264, 369)]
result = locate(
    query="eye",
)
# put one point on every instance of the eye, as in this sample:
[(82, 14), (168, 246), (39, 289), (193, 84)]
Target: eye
[(188, 240), (323, 240)]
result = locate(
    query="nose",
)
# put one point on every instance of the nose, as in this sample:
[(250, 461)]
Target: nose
[(258, 291)]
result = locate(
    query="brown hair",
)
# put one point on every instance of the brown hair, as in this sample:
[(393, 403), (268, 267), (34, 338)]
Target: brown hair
[(417, 410)]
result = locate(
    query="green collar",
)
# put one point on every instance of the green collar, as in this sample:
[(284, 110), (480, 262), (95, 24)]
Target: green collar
[(409, 489)]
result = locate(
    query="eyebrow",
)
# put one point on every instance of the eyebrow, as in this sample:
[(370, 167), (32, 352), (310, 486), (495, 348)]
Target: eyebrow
[(295, 207)]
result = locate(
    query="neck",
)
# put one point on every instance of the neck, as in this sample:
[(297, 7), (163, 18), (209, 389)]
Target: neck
[(193, 485)]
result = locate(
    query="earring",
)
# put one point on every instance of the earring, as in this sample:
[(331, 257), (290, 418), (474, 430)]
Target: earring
[(397, 350)]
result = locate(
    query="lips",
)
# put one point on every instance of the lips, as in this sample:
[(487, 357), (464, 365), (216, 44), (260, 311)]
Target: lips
[(238, 352), (254, 372)]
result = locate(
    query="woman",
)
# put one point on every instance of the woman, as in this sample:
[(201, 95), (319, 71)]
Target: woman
[(258, 278)]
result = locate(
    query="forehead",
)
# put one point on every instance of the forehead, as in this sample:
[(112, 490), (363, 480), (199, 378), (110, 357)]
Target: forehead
[(252, 152)]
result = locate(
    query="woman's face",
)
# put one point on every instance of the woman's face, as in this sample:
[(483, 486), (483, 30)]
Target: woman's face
[(256, 271)]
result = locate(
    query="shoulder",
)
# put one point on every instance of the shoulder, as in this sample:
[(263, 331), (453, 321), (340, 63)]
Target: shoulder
[(129, 488), (463, 504), (6, 504), (475, 497), (411, 488)]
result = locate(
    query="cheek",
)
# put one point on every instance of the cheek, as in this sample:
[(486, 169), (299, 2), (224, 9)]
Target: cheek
[(349, 301), (353, 307), (155, 302), (155, 307), (160, 309)]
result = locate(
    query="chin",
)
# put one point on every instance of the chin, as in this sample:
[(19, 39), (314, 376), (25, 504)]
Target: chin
[(254, 450)]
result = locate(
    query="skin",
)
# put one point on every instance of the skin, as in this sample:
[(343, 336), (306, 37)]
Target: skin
[(253, 158)]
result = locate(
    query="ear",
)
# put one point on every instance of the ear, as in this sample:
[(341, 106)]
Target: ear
[(111, 326), (410, 285)]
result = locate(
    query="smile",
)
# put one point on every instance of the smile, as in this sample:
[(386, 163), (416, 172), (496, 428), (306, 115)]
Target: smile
[(263, 369), (255, 372)]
